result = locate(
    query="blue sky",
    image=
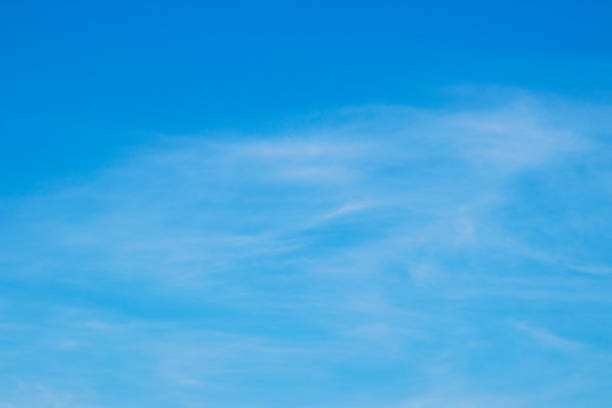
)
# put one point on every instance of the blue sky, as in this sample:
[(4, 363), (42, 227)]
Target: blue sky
[(315, 204)]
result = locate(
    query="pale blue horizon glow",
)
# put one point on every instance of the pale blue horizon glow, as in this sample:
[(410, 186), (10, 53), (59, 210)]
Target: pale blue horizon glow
[(370, 253)]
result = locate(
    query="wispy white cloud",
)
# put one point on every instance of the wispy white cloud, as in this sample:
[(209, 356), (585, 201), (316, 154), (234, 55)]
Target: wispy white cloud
[(548, 339), (381, 237)]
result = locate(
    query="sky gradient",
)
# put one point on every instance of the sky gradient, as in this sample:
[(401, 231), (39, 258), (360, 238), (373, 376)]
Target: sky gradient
[(314, 204)]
